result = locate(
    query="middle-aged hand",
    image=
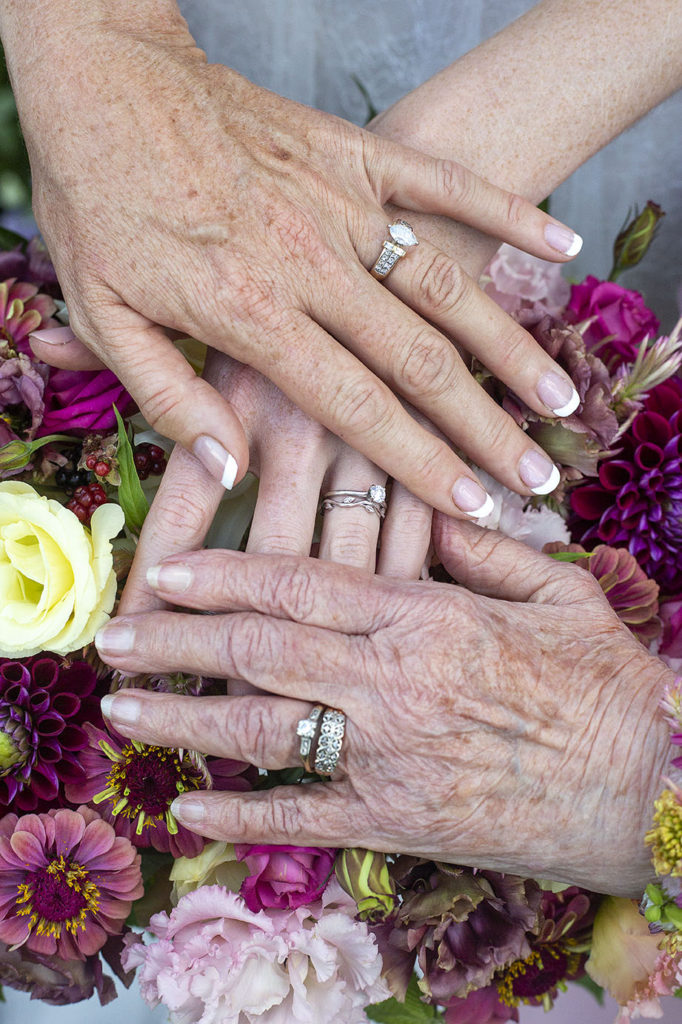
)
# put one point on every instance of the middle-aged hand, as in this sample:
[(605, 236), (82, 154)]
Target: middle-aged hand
[(514, 728), (172, 192)]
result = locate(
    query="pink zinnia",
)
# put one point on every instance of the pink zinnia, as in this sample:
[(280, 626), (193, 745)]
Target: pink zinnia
[(67, 882), (23, 310)]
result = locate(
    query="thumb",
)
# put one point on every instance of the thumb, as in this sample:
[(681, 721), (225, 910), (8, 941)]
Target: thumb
[(489, 563), (59, 346)]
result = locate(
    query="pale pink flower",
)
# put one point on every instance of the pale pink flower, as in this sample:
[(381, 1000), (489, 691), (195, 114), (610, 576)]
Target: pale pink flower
[(526, 287), (646, 1000), (513, 516), (217, 962)]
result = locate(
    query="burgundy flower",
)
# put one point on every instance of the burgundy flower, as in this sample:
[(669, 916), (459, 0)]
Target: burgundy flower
[(671, 615), (22, 383), (33, 264), (284, 877), (618, 313), (53, 980), (67, 881), (629, 591), (482, 1006), (464, 925), (636, 501), (79, 400), (43, 705), (23, 310), (133, 786)]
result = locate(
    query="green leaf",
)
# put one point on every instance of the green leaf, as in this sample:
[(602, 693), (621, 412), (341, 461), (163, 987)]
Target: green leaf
[(678, 993), (412, 1011), (2, 995), (372, 111), (130, 494), (10, 239), (569, 556), (592, 987)]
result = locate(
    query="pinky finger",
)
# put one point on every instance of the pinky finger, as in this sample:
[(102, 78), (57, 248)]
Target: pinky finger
[(405, 535)]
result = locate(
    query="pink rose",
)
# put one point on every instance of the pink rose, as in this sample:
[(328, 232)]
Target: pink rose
[(526, 287), (618, 313), (284, 877), (82, 400)]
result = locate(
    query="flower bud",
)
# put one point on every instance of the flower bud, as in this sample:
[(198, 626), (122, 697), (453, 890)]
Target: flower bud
[(14, 455), (364, 875), (635, 238)]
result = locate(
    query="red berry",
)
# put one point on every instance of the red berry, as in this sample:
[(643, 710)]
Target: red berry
[(156, 452), (158, 467), (141, 459), (91, 461), (102, 468), (80, 513)]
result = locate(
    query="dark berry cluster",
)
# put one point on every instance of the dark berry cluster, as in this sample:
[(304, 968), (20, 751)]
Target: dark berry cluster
[(68, 477), (85, 500), (150, 460)]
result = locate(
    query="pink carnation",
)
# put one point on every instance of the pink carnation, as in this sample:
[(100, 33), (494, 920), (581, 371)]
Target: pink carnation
[(284, 877), (526, 287), (217, 962), (665, 978), (617, 313)]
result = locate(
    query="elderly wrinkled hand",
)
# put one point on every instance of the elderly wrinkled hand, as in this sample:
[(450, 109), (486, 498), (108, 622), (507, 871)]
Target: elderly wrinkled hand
[(193, 200), (489, 728)]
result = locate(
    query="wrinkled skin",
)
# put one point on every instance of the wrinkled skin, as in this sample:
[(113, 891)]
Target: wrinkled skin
[(515, 728), (195, 200)]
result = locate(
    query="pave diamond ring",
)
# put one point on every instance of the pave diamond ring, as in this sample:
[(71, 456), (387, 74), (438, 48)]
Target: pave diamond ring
[(329, 743), (402, 238), (372, 500)]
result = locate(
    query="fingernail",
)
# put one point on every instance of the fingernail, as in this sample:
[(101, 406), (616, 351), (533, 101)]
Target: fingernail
[(115, 638), (558, 394), (121, 709), (191, 811), (470, 497), (53, 336), (216, 459), (538, 473), (173, 578), (563, 239)]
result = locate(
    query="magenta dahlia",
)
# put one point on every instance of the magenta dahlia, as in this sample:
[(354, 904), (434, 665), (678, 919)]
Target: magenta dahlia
[(67, 882), (133, 785), (43, 705), (636, 500)]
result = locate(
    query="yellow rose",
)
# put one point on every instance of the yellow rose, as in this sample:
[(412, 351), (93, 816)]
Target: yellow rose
[(217, 864), (57, 584)]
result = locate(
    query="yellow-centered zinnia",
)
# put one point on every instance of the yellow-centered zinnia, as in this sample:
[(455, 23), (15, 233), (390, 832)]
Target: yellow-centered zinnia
[(57, 584)]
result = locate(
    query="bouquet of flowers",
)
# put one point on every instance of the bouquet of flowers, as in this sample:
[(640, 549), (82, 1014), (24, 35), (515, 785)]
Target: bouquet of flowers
[(94, 868)]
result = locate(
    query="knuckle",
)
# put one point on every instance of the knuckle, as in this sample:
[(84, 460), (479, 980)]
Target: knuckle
[(497, 433), (243, 291), (291, 589), (434, 464), (358, 406), (248, 650), (515, 208), (298, 235), (159, 406), (443, 286), (356, 548), (427, 365), (514, 351), (455, 181), (283, 817), (182, 513)]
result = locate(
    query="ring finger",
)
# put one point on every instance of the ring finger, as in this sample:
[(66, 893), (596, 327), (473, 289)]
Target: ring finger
[(256, 729), (350, 532)]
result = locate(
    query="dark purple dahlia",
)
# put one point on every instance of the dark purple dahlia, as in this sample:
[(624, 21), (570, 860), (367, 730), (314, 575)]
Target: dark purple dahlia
[(43, 705), (636, 500)]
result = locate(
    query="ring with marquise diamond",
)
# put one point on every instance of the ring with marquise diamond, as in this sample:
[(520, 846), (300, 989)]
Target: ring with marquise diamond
[(394, 248)]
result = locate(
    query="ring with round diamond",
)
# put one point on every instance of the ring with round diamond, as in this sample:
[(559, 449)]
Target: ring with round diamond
[(372, 500), (402, 238)]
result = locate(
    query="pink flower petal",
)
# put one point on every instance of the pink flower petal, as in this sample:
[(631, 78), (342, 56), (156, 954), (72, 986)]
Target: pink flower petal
[(69, 829), (28, 849), (97, 840)]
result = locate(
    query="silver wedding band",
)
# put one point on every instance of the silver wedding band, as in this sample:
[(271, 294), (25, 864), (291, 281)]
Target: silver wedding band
[(321, 738), (372, 500)]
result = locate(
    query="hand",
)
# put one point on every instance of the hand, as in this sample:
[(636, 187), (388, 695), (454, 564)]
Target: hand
[(296, 460), (202, 203), (515, 729)]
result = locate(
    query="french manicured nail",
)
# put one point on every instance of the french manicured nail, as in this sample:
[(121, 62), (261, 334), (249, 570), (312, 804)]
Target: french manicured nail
[(470, 497), (172, 578), (216, 459), (538, 473), (53, 336), (190, 811), (121, 709), (115, 638), (561, 238), (558, 394)]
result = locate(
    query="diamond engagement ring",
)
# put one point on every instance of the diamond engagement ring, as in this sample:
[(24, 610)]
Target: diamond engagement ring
[(330, 740), (402, 239), (307, 730), (372, 500)]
